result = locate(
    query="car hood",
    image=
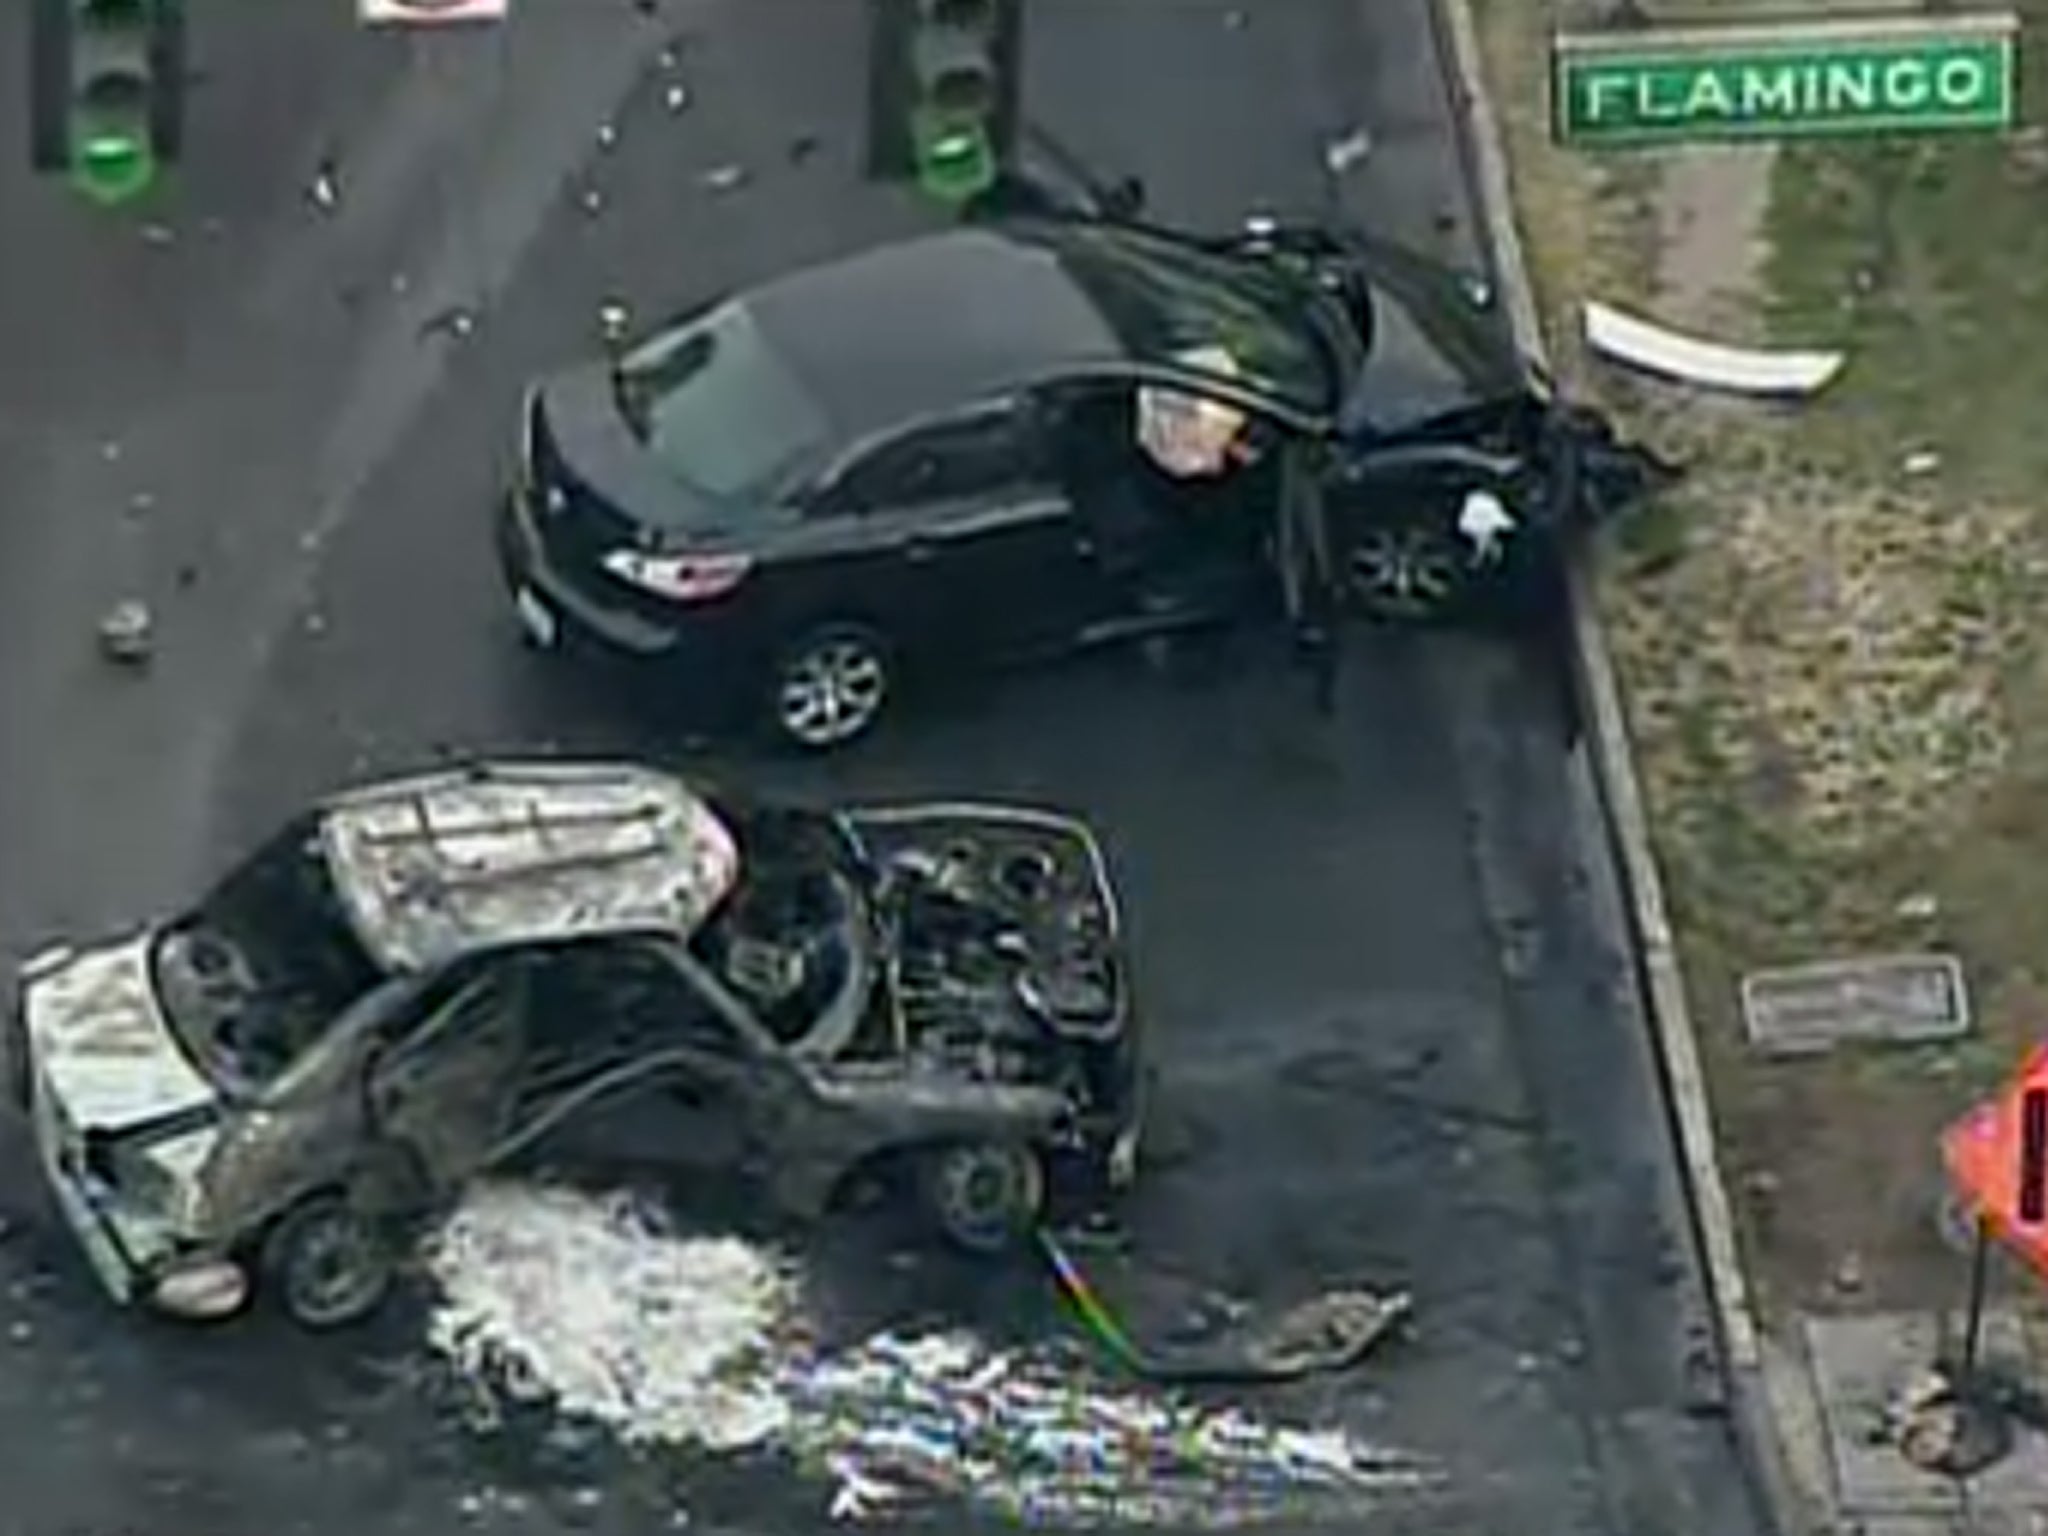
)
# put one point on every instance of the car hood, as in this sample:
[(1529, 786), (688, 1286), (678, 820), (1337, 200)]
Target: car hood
[(99, 1041), (591, 439), (1003, 923)]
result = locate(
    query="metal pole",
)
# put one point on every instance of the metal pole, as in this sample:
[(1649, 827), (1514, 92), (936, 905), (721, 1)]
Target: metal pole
[(1973, 1317)]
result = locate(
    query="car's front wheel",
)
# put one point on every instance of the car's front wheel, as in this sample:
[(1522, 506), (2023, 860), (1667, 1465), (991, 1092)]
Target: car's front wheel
[(329, 1262), (830, 688), (985, 1196), (1410, 571)]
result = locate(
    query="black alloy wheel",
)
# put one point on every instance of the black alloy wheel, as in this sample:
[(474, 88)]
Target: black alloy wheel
[(1408, 570)]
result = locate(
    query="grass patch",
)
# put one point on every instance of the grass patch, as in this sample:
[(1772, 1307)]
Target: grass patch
[(1832, 658)]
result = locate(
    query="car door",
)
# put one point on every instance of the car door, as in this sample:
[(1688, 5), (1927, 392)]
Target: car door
[(439, 1081), (1182, 547), (628, 1067), (971, 546)]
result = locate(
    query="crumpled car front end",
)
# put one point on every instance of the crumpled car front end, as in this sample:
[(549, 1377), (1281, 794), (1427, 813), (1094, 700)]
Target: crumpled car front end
[(1007, 964), (1595, 476), (123, 1127)]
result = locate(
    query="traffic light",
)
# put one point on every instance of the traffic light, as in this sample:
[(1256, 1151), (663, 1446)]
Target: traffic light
[(945, 98), (107, 93)]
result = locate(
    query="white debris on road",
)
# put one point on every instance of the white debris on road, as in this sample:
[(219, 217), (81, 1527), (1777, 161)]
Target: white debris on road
[(592, 1304), (597, 1306)]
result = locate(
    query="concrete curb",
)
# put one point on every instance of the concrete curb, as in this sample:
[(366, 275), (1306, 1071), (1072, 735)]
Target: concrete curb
[(1620, 801)]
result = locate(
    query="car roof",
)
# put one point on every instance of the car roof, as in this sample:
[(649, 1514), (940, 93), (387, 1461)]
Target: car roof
[(437, 866), (928, 325)]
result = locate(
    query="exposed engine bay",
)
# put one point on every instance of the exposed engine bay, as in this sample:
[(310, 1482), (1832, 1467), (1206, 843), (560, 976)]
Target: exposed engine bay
[(1003, 940)]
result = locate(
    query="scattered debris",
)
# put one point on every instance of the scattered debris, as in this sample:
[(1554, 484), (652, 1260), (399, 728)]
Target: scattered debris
[(158, 234), (1924, 461), (725, 178), (1484, 522), (597, 1307), (1848, 1275), (1340, 155), (456, 322), (1943, 1430), (127, 632), (1920, 907), (1235, 20), (325, 188), (141, 504), (110, 451), (1328, 1333), (1654, 349)]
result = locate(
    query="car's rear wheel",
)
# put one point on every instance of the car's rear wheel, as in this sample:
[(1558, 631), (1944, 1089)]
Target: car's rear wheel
[(329, 1262), (830, 688), (985, 1196)]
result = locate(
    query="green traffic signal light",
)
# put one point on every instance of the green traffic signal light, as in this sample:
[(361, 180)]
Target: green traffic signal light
[(955, 157), (112, 156), (112, 166)]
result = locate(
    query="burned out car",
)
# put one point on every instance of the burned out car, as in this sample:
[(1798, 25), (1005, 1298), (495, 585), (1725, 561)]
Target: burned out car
[(595, 965)]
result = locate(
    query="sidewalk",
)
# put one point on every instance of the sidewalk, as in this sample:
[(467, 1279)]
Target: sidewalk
[(1812, 684)]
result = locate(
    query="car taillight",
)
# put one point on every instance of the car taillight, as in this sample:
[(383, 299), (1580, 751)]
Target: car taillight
[(683, 578)]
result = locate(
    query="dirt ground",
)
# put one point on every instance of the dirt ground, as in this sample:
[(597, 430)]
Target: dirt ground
[(1827, 639)]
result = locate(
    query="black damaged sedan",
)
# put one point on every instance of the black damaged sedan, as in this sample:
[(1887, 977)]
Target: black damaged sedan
[(1020, 438)]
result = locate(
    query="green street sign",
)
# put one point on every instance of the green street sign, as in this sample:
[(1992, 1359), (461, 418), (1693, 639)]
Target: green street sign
[(1908, 75)]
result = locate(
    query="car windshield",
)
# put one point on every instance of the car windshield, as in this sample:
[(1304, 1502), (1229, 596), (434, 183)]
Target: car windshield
[(1166, 301), (257, 971), (719, 408)]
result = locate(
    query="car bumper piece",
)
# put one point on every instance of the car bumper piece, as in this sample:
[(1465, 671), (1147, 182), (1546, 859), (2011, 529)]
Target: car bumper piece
[(136, 1261)]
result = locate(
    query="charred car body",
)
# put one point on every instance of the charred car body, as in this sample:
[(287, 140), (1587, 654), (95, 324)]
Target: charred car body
[(945, 451), (594, 965)]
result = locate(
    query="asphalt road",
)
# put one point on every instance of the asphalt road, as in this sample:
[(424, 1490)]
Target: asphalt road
[(1391, 1043)]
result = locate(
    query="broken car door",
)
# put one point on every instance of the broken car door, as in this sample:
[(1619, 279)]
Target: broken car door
[(440, 1084), (627, 1067)]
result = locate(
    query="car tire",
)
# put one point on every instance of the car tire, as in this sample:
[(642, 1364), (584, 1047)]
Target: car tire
[(1409, 570), (328, 1262), (830, 688), (986, 1197)]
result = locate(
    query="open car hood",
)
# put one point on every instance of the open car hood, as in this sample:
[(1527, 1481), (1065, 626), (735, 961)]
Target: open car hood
[(100, 1042)]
